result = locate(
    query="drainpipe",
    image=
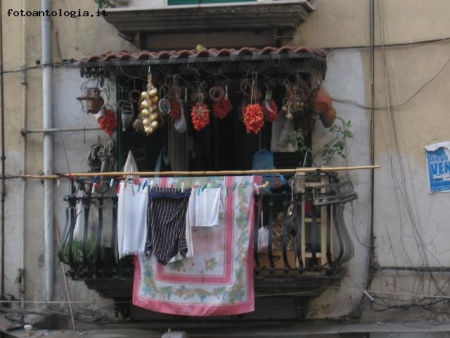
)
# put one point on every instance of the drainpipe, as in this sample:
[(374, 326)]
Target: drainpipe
[(47, 102), (3, 161), (24, 160)]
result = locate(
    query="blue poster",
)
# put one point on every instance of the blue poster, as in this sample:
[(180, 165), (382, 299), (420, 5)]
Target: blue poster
[(438, 165)]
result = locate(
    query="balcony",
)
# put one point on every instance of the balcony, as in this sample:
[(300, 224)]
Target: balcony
[(143, 21), (307, 241)]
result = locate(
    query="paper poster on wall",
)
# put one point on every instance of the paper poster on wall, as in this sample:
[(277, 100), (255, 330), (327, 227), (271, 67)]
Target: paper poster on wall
[(438, 165)]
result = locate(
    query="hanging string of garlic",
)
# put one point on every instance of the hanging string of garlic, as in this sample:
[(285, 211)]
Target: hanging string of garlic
[(149, 114)]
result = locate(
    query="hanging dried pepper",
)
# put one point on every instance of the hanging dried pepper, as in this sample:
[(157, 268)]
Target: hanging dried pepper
[(253, 118), (175, 109), (221, 108), (270, 110), (200, 116), (108, 122)]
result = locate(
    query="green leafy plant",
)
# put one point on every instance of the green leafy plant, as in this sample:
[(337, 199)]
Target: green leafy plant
[(77, 251), (335, 146)]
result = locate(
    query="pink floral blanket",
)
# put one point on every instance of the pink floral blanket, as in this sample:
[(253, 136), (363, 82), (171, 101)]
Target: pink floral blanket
[(218, 280)]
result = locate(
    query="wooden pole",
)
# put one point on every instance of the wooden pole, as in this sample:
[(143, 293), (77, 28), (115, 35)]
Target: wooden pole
[(195, 173), (222, 172)]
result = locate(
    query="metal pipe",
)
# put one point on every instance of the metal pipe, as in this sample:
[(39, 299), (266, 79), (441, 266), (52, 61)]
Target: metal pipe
[(25, 131), (3, 160), (414, 268), (24, 161), (47, 102)]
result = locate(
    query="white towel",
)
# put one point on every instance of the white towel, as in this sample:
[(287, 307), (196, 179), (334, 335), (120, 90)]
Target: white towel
[(204, 207), (131, 219)]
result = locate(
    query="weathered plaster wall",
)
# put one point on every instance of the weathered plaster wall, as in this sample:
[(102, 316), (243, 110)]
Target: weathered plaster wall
[(409, 223), (357, 215), (73, 38)]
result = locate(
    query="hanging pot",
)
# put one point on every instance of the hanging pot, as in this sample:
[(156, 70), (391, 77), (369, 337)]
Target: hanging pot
[(320, 101), (328, 118)]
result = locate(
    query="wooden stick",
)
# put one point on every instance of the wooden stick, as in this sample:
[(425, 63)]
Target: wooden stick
[(195, 173), (41, 177), (222, 172)]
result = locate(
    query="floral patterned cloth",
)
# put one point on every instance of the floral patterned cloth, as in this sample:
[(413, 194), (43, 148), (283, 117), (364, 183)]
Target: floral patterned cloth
[(218, 280)]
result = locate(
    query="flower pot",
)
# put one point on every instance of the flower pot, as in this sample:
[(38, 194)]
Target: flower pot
[(328, 118), (320, 101)]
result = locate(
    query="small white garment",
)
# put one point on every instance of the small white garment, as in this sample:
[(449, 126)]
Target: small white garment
[(204, 206), (131, 218)]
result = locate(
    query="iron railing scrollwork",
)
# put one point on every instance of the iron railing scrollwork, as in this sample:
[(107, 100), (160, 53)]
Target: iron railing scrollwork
[(306, 233)]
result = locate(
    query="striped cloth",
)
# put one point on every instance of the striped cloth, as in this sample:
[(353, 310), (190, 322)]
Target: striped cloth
[(167, 223)]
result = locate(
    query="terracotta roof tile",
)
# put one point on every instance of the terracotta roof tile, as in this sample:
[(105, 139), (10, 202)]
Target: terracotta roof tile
[(124, 55)]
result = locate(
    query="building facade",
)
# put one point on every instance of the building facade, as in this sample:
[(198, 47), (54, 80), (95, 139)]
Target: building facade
[(386, 72)]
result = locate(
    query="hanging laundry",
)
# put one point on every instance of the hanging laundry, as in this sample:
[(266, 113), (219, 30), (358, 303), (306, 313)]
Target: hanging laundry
[(204, 206), (218, 280), (167, 223), (131, 218), (188, 235)]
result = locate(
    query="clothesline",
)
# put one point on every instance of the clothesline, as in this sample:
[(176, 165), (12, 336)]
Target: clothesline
[(195, 173)]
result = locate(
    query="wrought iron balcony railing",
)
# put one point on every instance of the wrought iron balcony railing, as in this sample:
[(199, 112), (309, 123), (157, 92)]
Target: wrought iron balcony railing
[(306, 241)]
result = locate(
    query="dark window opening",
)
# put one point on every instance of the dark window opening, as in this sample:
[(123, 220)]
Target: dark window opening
[(223, 144)]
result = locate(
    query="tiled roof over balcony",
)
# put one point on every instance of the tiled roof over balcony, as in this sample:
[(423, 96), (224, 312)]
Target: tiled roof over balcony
[(207, 55)]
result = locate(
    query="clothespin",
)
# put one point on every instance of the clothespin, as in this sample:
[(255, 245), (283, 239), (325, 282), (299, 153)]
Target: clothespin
[(111, 183), (125, 184), (257, 189), (57, 183), (95, 184), (151, 184), (145, 185), (182, 186), (234, 186), (132, 189), (204, 187), (136, 181)]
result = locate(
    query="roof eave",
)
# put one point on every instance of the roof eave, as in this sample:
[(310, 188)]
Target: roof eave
[(209, 19)]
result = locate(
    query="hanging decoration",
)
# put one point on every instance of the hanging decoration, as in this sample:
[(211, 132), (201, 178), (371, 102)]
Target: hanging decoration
[(297, 93), (253, 114), (126, 113), (270, 107), (174, 95), (200, 112), (328, 117), (320, 101), (107, 120), (94, 101), (175, 109), (149, 118), (222, 105)]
